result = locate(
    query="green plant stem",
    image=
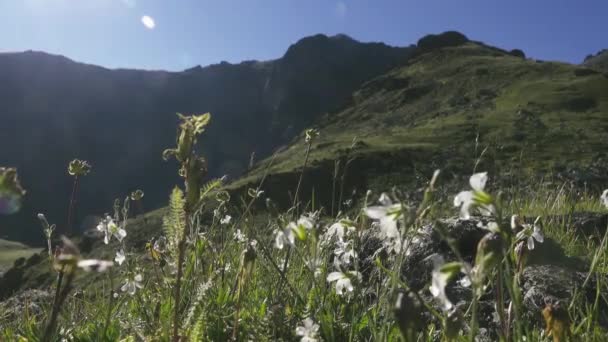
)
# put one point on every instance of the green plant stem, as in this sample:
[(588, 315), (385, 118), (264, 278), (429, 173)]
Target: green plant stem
[(500, 305), (333, 185), (72, 206), (295, 197), (110, 304), (180, 260), (62, 295)]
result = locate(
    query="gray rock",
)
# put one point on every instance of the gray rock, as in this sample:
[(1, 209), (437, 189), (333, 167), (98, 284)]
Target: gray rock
[(551, 284), (550, 275)]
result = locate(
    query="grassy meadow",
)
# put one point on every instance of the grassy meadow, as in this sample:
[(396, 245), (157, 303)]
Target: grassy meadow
[(226, 263)]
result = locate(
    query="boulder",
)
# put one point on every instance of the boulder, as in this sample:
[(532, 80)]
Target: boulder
[(518, 53), (445, 39)]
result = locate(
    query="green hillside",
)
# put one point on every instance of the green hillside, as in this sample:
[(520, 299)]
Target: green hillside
[(444, 107), (11, 251)]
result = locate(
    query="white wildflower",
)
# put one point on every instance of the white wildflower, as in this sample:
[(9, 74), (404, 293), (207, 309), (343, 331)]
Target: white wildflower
[(309, 331), (306, 221), (226, 219), (94, 265), (466, 200), (293, 230), (441, 276), (120, 257), (131, 285), (239, 236), (530, 233), (110, 228), (345, 253), (387, 215), (604, 198), (343, 281), (338, 230), (284, 237)]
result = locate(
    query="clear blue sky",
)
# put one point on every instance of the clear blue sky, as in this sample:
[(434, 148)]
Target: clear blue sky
[(189, 32)]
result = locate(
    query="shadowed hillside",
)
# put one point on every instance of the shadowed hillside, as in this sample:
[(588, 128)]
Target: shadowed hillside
[(121, 120)]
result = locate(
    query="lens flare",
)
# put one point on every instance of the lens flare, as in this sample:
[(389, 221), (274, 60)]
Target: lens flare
[(148, 22), (11, 193)]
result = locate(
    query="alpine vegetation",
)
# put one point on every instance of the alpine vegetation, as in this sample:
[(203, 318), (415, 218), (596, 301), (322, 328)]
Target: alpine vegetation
[(443, 262)]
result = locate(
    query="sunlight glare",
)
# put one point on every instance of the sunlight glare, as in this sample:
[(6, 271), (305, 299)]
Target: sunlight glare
[(148, 22)]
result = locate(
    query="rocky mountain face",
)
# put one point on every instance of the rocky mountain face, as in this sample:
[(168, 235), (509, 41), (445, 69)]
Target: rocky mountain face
[(53, 109), (599, 61)]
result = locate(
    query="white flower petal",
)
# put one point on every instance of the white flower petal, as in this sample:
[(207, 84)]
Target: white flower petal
[(538, 235), (385, 200), (279, 240), (478, 181), (462, 198), (376, 212), (604, 198), (305, 222), (120, 257), (333, 276), (530, 243)]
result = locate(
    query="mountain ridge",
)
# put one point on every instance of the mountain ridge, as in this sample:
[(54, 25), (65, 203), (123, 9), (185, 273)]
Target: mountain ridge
[(120, 119)]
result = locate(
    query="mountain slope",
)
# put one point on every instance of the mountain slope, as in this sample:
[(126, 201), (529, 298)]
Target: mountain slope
[(121, 120), (599, 61), (445, 106)]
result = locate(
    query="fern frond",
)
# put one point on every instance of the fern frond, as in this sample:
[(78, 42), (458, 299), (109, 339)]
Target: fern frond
[(209, 187), (175, 220)]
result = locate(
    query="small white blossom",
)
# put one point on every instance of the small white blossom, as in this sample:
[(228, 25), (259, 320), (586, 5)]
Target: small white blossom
[(226, 219), (131, 285), (531, 233), (338, 230), (120, 257), (284, 237), (94, 265), (439, 282), (239, 236), (110, 228), (604, 198), (343, 281), (345, 253), (387, 215), (441, 276), (309, 331), (465, 200), (306, 222)]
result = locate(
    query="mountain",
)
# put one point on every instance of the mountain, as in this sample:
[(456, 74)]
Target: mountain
[(598, 61), (453, 101), (121, 120)]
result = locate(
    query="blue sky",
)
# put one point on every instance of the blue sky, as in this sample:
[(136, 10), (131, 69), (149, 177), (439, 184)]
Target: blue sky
[(189, 32)]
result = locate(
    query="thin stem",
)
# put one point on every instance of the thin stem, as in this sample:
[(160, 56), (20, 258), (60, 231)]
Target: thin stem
[(72, 205), (110, 304), (500, 304), (62, 295), (180, 260), (295, 197), (333, 185)]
